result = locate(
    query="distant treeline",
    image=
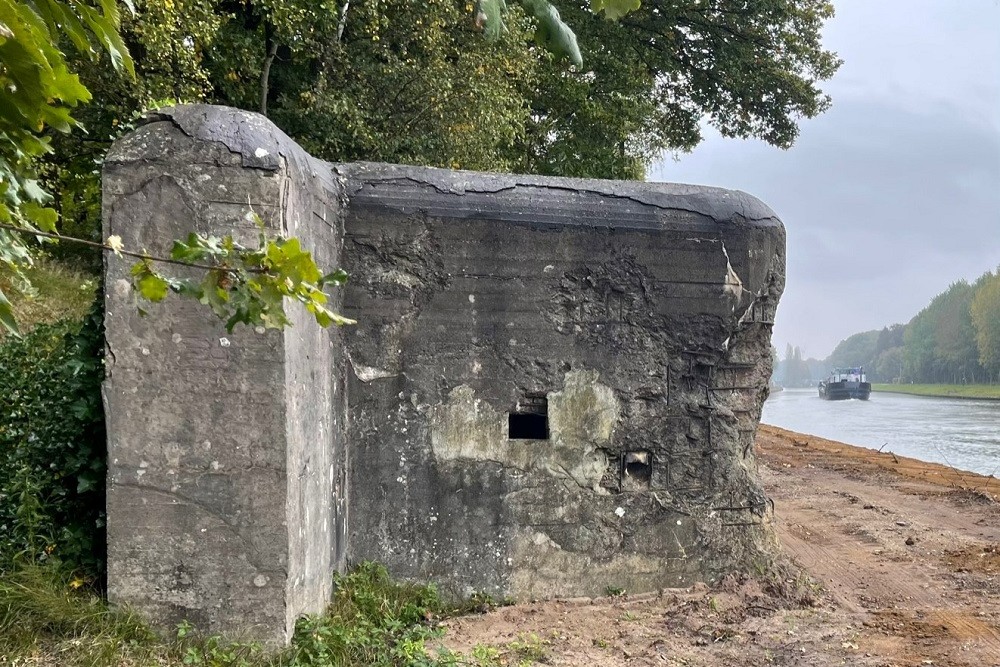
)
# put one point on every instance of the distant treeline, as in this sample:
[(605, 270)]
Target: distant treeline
[(955, 340)]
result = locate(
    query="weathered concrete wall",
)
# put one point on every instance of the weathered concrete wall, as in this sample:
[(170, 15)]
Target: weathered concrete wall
[(641, 312), (226, 502), (626, 326)]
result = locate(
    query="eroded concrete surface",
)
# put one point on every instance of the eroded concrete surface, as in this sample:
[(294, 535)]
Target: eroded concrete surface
[(626, 326), (226, 454), (638, 315)]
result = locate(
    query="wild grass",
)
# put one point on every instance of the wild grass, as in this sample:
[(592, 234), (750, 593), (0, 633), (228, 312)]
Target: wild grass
[(371, 620), (984, 391), (60, 292), (47, 620), (44, 621)]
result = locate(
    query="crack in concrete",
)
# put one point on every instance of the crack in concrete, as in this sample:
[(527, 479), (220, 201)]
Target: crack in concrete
[(374, 181), (252, 552), (164, 115)]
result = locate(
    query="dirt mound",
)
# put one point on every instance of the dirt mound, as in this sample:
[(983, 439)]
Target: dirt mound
[(983, 558)]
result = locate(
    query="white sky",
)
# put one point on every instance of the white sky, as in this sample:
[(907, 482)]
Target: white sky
[(894, 193)]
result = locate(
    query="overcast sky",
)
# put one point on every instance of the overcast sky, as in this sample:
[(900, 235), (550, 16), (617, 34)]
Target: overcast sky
[(894, 193)]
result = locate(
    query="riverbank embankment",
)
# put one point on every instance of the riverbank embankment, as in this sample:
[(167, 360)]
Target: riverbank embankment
[(779, 446), (974, 391)]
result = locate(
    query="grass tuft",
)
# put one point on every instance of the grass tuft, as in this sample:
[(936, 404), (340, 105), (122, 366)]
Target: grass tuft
[(44, 621), (60, 292), (371, 620)]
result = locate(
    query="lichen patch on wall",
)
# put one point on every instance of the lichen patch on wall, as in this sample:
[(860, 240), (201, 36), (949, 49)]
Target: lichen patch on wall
[(582, 419)]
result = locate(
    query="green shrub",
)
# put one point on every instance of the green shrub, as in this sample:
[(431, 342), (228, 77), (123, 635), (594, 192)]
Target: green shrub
[(372, 620), (52, 449)]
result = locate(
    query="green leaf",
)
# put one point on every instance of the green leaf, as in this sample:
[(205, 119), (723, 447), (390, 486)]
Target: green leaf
[(325, 317), (553, 33), (140, 267), (338, 278), (7, 314), (84, 484), (246, 285), (43, 217), (152, 287), (35, 191), (489, 16), (59, 16), (188, 252), (214, 296), (614, 9)]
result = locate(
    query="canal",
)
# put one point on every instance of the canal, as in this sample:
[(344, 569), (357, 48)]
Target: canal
[(961, 433)]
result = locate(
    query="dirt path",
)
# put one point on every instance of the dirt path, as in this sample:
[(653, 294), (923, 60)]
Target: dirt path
[(910, 547), (906, 555)]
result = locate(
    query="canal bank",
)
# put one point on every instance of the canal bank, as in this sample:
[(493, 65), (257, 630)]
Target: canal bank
[(962, 434), (781, 448), (984, 392)]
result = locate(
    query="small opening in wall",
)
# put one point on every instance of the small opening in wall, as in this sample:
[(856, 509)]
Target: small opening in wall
[(527, 426), (530, 421), (637, 469)]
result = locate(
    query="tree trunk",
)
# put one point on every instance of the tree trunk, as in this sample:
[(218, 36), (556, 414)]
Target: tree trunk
[(343, 19), (271, 45)]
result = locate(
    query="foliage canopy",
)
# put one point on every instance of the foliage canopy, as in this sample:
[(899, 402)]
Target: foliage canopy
[(955, 339), (590, 88), (985, 313)]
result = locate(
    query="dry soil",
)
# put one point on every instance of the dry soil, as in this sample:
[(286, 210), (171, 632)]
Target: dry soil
[(896, 563)]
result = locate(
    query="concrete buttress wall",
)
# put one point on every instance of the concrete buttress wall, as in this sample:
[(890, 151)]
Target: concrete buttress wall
[(226, 498), (553, 387)]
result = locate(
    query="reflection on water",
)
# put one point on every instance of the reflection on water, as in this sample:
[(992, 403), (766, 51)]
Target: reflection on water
[(960, 433)]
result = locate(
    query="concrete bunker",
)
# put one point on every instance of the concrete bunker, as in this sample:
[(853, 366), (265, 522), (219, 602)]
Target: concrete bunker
[(553, 388)]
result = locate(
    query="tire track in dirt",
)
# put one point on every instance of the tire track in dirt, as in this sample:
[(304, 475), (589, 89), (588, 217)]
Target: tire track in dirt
[(851, 570)]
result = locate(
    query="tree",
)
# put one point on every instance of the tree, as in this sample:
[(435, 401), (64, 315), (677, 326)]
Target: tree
[(890, 337), (889, 365), (37, 93), (392, 81), (416, 83), (856, 350), (888, 359), (797, 373), (751, 69), (939, 343), (985, 314), (955, 337)]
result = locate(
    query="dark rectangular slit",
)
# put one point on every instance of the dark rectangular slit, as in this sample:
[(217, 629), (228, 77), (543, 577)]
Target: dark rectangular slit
[(528, 426), (530, 421)]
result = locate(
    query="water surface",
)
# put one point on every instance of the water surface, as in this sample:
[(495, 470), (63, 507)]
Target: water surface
[(961, 433)]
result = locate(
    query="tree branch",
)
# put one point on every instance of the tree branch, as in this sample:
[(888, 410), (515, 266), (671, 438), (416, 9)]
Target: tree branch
[(128, 253)]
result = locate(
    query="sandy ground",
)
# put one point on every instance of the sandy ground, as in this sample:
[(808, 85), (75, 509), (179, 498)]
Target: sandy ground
[(900, 566)]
